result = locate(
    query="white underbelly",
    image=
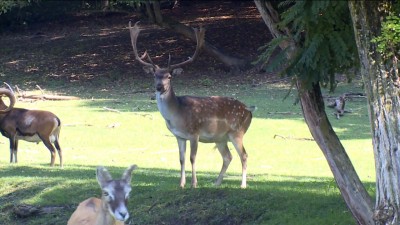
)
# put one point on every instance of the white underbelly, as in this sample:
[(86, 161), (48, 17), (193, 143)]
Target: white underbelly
[(203, 136), (180, 134), (34, 138), (209, 137)]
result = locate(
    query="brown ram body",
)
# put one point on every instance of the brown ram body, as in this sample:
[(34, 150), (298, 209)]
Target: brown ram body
[(29, 125)]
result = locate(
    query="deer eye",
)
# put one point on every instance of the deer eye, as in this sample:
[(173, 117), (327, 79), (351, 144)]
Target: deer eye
[(105, 193)]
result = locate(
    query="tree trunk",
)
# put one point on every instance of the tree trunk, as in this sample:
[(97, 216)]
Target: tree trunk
[(233, 63), (312, 103), (351, 188), (150, 12), (157, 12), (384, 109), (105, 5)]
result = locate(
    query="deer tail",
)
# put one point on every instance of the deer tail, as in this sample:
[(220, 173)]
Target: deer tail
[(251, 108)]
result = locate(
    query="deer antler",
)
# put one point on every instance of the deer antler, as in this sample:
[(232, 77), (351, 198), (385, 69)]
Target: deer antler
[(200, 41), (134, 31)]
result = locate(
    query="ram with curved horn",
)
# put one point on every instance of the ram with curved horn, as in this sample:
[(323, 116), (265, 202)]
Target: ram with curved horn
[(28, 125)]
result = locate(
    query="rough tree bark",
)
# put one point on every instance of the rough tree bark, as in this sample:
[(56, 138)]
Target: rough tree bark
[(350, 185), (312, 104), (105, 5), (382, 89), (154, 13)]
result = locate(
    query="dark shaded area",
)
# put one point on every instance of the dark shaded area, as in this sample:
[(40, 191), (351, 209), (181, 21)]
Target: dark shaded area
[(153, 192), (95, 48), (28, 13)]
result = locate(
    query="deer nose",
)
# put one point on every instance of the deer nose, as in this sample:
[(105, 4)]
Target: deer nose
[(159, 87), (124, 215)]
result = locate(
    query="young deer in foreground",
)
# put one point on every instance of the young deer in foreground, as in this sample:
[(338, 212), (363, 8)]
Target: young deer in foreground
[(205, 119), (111, 209)]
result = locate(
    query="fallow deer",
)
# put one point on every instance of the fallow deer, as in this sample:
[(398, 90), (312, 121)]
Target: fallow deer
[(28, 125), (206, 119), (111, 209)]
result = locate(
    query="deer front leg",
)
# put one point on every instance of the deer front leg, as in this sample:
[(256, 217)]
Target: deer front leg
[(193, 152), (13, 150), (182, 151), (226, 157)]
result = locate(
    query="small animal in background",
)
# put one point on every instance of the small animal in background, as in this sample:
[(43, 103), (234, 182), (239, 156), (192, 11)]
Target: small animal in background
[(111, 209), (338, 105), (28, 125)]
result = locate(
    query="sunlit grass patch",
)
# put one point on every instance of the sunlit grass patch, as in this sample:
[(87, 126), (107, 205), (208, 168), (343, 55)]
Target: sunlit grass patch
[(289, 179)]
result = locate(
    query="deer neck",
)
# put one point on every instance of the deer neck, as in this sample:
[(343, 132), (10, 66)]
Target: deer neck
[(167, 103)]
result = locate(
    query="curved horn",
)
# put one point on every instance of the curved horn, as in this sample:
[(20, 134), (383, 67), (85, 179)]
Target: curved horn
[(11, 96)]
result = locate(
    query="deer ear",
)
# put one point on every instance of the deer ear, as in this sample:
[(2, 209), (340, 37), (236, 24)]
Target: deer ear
[(102, 175), (177, 72), (148, 69), (128, 173)]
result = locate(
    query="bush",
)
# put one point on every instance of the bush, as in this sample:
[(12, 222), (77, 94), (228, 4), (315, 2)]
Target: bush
[(36, 11)]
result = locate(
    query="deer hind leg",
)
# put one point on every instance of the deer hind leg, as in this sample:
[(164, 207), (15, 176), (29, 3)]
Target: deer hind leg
[(47, 143), (59, 151), (193, 153), (226, 157), (237, 141), (54, 139), (182, 151)]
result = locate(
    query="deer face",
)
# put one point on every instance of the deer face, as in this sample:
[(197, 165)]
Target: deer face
[(162, 80), (116, 193)]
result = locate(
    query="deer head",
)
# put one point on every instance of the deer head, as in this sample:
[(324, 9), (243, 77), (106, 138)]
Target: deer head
[(115, 192)]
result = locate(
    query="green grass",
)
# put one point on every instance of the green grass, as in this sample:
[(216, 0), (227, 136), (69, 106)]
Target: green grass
[(289, 181)]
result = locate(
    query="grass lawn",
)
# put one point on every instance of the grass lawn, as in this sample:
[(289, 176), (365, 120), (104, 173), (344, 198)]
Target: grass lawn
[(289, 181)]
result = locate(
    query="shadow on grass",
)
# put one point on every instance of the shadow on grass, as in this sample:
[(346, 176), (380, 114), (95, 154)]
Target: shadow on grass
[(157, 199)]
